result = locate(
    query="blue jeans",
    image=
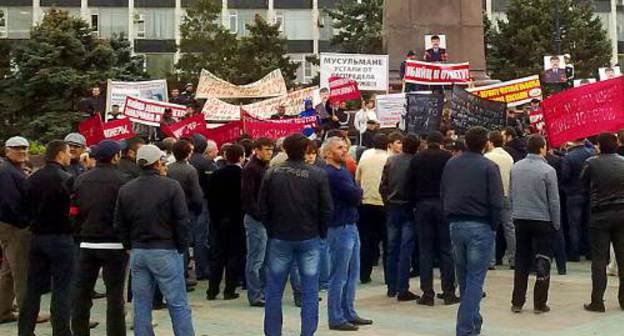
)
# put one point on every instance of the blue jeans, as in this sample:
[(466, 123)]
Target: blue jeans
[(324, 265), (280, 257), (165, 269), (256, 251), (577, 206), (344, 252), (401, 241), (201, 251), (472, 245)]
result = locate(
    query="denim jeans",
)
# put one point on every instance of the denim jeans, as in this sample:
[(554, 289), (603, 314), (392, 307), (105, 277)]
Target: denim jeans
[(401, 237), (256, 251), (472, 245), (324, 267), (165, 269), (280, 257), (201, 248), (51, 258), (577, 206), (344, 252)]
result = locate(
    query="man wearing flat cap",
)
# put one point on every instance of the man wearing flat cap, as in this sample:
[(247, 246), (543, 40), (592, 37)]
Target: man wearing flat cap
[(77, 146)]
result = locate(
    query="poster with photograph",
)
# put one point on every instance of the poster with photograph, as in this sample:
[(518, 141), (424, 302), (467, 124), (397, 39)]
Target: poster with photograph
[(584, 81), (435, 48), (609, 73), (554, 70)]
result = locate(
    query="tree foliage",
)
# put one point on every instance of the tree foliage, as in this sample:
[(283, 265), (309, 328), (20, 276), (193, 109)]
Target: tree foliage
[(359, 26), (516, 47), (53, 70)]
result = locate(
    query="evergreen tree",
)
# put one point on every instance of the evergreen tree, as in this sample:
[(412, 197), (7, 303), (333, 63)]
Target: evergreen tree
[(517, 47), (359, 26)]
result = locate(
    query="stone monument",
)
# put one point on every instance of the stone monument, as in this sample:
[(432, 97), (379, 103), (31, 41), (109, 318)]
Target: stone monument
[(406, 22)]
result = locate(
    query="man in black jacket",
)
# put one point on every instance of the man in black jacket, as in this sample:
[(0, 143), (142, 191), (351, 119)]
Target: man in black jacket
[(52, 244), (127, 165), (295, 206), (94, 196), (226, 225), (425, 175), (77, 145), (151, 217), (603, 177), (255, 231), (515, 146)]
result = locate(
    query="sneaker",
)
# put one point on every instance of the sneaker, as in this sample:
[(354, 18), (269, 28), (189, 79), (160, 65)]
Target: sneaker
[(516, 309), (344, 327), (595, 307), (407, 296), (541, 310), (426, 301)]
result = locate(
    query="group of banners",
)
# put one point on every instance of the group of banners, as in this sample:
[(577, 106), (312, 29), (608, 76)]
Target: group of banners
[(211, 86)]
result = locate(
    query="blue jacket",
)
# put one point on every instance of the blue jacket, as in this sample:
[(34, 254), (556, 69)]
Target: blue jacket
[(346, 195), (571, 167), (12, 207)]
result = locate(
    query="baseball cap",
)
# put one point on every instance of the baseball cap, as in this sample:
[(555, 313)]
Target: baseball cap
[(17, 141), (148, 155), (75, 139), (106, 150)]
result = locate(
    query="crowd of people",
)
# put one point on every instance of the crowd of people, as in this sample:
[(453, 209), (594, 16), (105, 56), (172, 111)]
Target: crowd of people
[(256, 212)]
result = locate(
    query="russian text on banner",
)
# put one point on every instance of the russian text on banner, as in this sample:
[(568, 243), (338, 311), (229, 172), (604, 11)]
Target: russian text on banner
[(188, 126), (584, 111), (92, 129), (424, 112), (390, 109), (425, 73), (116, 92), (515, 92), (343, 89), (369, 71), (211, 86), (468, 110), (118, 130), (149, 112)]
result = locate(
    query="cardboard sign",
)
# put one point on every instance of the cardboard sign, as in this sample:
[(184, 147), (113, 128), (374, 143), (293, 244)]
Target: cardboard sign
[(417, 72), (149, 112), (468, 110), (211, 86), (369, 71), (116, 92), (92, 130), (584, 111), (424, 112), (515, 92), (343, 89), (390, 109)]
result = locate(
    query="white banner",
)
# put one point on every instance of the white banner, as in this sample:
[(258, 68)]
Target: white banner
[(390, 108), (211, 86), (117, 92), (369, 71)]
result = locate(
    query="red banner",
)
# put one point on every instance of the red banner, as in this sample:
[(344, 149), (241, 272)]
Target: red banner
[(536, 118), (584, 111), (343, 89), (149, 112), (229, 132), (418, 72), (188, 126), (271, 130), (118, 130), (92, 129)]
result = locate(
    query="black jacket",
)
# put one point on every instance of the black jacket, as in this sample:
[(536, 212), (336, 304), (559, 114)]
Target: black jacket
[(12, 205), (250, 186), (204, 167), (295, 201), (472, 190), (94, 195), (572, 165), (151, 213), (393, 187), (425, 173), (186, 175), (517, 148), (368, 139), (129, 168), (224, 197), (49, 197), (603, 177)]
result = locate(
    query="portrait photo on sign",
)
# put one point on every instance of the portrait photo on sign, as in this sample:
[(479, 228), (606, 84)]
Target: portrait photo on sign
[(609, 72), (584, 81), (554, 69), (435, 48)]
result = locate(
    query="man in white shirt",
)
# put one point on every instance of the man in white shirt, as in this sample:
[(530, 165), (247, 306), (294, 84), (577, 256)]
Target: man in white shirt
[(363, 116), (505, 162)]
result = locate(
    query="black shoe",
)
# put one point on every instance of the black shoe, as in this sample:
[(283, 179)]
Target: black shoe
[(516, 309), (426, 300), (541, 310), (595, 307), (191, 283), (298, 301), (391, 294), (562, 272), (407, 296), (190, 289), (93, 324), (211, 297), (492, 268), (158, 306), (231, 296), (361, 321), (365, 281), (440, 296), (259, 303), (344, 327), (451, 299), (414, 274), (95, 295)]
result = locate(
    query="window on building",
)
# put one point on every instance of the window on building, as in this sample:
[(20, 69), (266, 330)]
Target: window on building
[(233, 21), (95, 23), (4, 28), (139, 25), (307, 70), (279, 20)]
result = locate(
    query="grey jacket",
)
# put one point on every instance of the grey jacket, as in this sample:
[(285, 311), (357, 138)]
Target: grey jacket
[(534, 191), (187, 176)]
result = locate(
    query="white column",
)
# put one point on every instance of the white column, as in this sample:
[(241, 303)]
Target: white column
[(84, 11), (316, 30), (225, 14), (488, 8), (36, 6), (271, 12), (131, 24), (613, 35), (177, 20)]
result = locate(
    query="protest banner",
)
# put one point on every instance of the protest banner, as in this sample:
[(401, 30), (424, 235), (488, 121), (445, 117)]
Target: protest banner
[(302, 122), (211, 86), (417, 72), (424, 112), (188, 126), (584, 111), (468, 110), (270, 129), (369, 71), (390, 109), (229, 132), (118, 130), (149, 112), (116, 92), (515, 92), (343, 89), (92, 130), (536, 119), (217, 110)]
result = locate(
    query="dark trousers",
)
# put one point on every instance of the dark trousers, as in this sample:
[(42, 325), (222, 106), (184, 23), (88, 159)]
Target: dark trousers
[(606, 228), (51, 257), (226, 249), (578, 217), (541, 235), (113, 264), (372, 229), (434, 234)]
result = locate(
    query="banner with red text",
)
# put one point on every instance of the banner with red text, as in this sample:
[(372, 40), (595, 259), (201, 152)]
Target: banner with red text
[(343, 89), (302, 122), (188, 126), (229, 132), (92, 130), (515, 92), (584, 111), (149, 112), (270, 129), (211, 86), (425, 73), (118, 130)]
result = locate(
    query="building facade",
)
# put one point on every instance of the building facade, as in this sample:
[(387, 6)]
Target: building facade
[(153, 25)]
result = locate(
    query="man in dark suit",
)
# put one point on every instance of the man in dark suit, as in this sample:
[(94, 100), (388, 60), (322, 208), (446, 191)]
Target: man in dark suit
[(435, 53), (281, 113), (555, 74)]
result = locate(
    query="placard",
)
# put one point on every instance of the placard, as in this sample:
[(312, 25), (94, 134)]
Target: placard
[(149, 112), (417, 72), (343, 89), (424, 112), (211, 86), (468, 110), (609, 72), (515, 92), (117, 91), (390, 109), (555, 69), (369, 71)]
